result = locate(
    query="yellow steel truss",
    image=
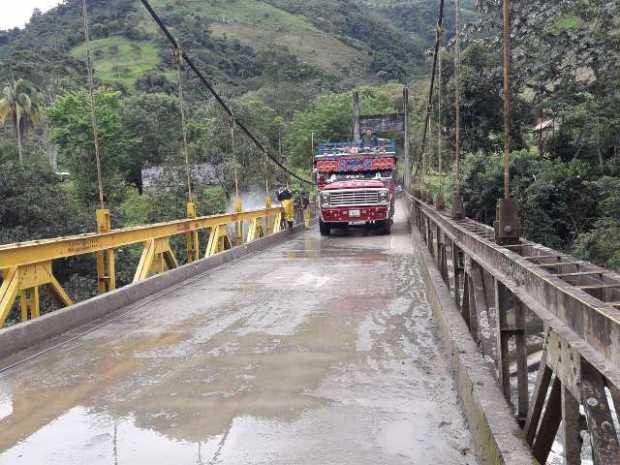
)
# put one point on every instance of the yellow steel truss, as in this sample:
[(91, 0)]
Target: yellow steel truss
[(25, 282), (157, 257), (277, 223), (255, 231), (192, 239), (218, 240), (106, 276), (26, 267), (25, 253)]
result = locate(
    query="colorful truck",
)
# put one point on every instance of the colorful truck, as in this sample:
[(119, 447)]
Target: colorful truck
[(356, 185)]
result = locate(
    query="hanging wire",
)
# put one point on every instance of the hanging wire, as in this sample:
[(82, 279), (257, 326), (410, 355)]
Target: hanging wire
[(220, 100), (93, 114), (457, 98), (507, 102), (233, 149), (429, 151), (439, 126), (188, 170), (430, 96), (435, 53)]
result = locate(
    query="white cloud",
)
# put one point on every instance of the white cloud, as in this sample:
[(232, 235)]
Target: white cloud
[(19, 12)]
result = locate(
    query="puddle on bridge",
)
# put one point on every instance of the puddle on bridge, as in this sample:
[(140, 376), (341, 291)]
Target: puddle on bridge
[(327, 358)]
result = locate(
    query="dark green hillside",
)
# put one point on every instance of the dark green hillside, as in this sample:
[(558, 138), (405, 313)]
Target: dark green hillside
[(242, 44)]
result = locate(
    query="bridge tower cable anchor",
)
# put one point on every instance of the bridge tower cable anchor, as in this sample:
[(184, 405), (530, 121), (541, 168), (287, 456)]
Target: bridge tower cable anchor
[(457, 202), (106, 269), (430, 95), (406, 143), (192, 239), (440, 202), (507, 223), (268, 204), (238, 205)]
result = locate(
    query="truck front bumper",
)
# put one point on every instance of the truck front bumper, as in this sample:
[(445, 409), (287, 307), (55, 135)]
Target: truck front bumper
[(355, 214)]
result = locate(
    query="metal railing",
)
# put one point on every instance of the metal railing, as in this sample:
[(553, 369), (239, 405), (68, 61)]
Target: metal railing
[(26, 267), (530, 307)]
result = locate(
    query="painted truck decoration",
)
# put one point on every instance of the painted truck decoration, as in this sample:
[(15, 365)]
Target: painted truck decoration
[(356, 186)]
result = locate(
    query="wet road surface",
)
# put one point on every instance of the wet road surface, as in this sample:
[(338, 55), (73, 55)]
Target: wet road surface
[(319, 351)]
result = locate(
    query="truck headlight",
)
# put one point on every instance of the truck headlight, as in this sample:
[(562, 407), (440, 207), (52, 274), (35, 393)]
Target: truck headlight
[(324, 196), (384, 196)]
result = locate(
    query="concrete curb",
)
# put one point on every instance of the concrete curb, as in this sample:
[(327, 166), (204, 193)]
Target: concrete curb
[(496, 435), (25, 335)]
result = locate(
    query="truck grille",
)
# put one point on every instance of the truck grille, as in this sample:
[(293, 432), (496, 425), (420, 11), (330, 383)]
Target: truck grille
[(346, 198)]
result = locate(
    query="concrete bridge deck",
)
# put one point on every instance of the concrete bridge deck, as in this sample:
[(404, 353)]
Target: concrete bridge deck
[(317, 351)]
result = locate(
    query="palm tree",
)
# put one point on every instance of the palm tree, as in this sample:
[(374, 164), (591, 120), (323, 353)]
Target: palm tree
[(22, 104)]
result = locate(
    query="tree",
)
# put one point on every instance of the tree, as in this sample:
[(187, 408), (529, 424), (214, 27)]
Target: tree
[(72, 131), (36, 205), (22, 104), (330, 117), (564, 60), (601, 244), (154, 122)]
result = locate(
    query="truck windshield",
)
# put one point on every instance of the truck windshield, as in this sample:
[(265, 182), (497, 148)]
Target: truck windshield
[(379, 175)]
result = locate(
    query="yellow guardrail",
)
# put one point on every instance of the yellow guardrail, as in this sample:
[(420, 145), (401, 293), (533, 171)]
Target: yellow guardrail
[(27, 266)]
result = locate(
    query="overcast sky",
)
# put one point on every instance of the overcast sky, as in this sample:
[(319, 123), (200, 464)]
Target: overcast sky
[(18, 12)]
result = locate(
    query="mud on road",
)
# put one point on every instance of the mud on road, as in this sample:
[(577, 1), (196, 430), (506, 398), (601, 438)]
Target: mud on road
[(319, 351)]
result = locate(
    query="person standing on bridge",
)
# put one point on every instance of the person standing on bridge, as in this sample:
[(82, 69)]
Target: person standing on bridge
[(285, 197), (369, 139)]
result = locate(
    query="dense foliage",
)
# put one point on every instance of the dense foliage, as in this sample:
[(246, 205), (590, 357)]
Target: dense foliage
[(566, 129), (287, 69), (283, 67)]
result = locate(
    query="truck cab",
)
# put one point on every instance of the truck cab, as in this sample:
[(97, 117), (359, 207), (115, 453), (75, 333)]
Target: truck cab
[(356, 185)]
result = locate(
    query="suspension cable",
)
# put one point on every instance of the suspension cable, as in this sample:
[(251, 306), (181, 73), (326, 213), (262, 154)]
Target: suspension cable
[(233, 149), (457, 98), (179, 61), (91, 92), (507, 101), (429, 151), (438, 33), (219, 99), (439, 121), (439, 29)]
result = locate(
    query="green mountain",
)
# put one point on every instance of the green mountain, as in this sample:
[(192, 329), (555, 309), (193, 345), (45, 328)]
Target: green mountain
[(243, 45)]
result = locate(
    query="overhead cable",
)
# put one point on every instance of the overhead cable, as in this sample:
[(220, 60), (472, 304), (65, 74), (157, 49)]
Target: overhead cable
[(219, 99), (93, 104), (438, 35)]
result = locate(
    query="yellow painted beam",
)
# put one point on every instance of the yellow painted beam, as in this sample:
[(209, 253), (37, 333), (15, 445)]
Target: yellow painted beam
[(218, 241), (192, 239), (59, 293), (27, 266), (25, 282), (255, 231), (156, 257), (29, 303), (8, 293), (277, 222), (24, 253), (146, 261), (106, 269)]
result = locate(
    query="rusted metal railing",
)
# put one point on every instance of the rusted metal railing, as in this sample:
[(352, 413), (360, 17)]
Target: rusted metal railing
[(534, 310)]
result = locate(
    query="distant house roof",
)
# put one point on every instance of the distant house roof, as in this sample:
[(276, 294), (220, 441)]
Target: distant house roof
[(166, 176), (543, 125)]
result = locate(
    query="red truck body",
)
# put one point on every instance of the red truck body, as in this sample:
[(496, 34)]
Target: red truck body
[(355, 186)]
